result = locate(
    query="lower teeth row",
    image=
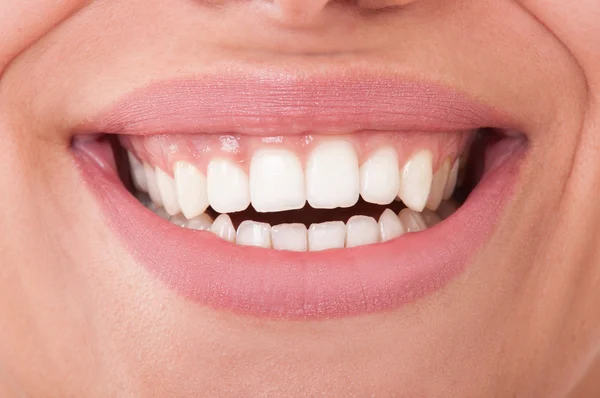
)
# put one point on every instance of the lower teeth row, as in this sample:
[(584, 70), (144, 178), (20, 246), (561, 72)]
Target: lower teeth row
[(357, 231)]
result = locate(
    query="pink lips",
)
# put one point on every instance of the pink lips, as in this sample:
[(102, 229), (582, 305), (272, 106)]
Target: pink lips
[(270, 283)]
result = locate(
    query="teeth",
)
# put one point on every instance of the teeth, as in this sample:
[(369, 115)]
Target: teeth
[(430, 217), (276, 181), (412, 220), (251, 233), (390, 226), (153, 191), (223, 228), (449, 189), (361, 230), (416, 180), (138, 174), (379, 177), (332, 176), (203, 222), (438, 185), (166, 187), (178, 220), (227, 186), (162, 213), (292, 237), (190, 186), (327, 235)]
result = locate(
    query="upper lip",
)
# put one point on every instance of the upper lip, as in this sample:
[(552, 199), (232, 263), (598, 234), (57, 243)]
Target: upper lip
[(277, 103)]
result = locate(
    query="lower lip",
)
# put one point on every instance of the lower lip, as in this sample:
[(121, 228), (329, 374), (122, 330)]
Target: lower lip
[(312, 285)]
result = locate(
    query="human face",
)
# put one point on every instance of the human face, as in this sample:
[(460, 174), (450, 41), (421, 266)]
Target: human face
[(102, 296)]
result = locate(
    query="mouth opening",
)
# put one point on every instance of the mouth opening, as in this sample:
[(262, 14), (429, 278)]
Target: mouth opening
[(148, 168)]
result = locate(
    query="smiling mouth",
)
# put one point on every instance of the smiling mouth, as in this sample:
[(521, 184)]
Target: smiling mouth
[(314, 222)]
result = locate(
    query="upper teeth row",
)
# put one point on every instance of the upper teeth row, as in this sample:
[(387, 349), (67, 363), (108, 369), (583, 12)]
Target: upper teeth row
[(358, 231), (277, 181)]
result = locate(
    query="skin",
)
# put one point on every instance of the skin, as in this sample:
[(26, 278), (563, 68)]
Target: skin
[(80, 318)]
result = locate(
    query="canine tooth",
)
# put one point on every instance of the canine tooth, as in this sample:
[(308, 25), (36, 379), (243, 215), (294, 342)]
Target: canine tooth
[(291, 237), (390, 226), (451, 184), (430, 217), (203, 222), (190, 186), (227, 186), (379, 177), (223, 228), (178, 220), (138, 174), (332, 176), (276, 181), (412, 220), (361, 230), (438, 185), (251, 233), (327, 235), (166, 187), (415, 182), (153, 191)]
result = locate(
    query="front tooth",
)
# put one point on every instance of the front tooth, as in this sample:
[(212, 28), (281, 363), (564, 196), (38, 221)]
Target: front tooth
[(138, 174), (438, 185), (332, 176), (292, 237), (166, 187), (227, 186), (223, 228), (203, 222), (276, 181), (379, 177), (452, 178), (327, 235), (415, 182), (390, 226), (412, 220), (153, 191), (190, 185), (361, 230), (251, 233)]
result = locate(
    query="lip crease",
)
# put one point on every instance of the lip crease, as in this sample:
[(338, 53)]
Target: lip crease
[(291, 285)]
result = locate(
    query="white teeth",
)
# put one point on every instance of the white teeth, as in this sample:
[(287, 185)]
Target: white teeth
[(223, 228), (138, 174), (276, 181), (251, 233), (452, 178), (190, 186), (153, 191), (327, 235), (227, 186), (361, 230), (415, 182), (292, 237), (390, 226), (166, 187), (203, 222), (412, 220), (332, 176), (438, 184), (379, 177), (178, 220)]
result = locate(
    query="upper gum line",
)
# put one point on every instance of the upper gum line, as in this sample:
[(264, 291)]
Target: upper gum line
[(164, 151)]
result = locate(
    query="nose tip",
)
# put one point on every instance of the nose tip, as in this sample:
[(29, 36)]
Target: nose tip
[(300, 12)]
